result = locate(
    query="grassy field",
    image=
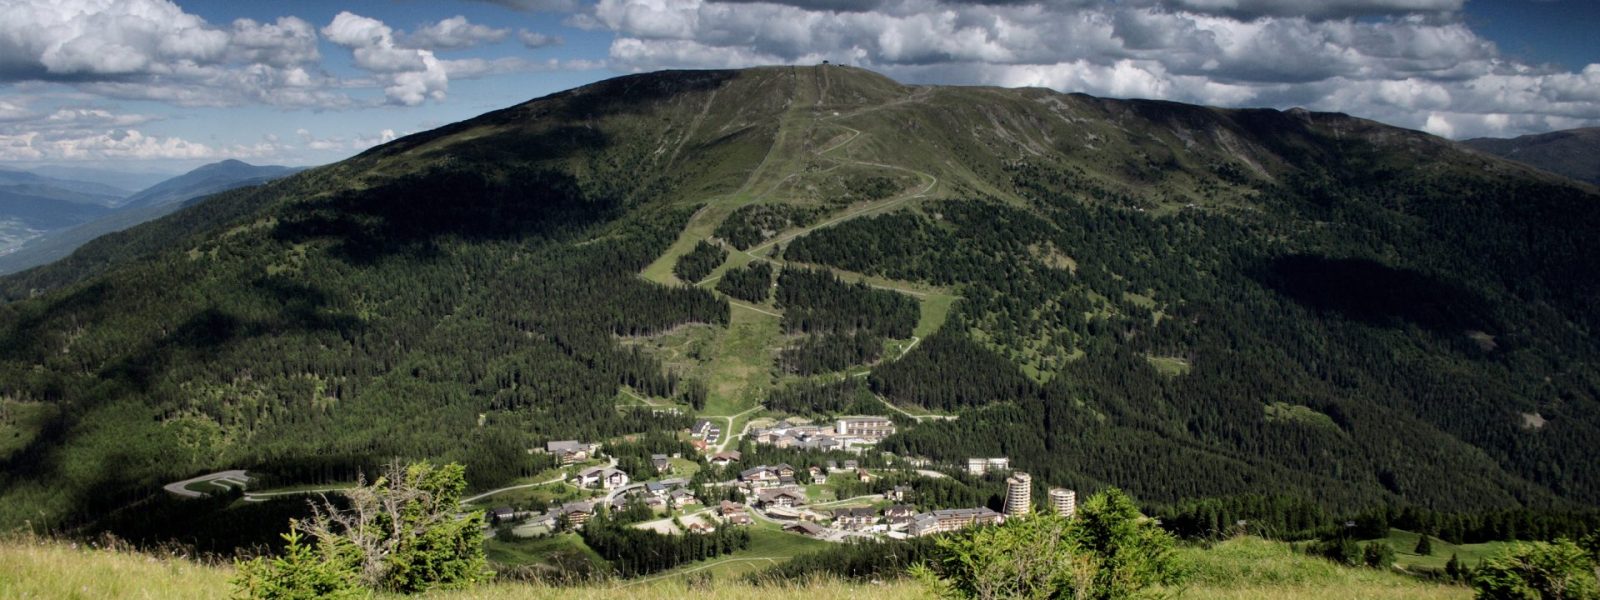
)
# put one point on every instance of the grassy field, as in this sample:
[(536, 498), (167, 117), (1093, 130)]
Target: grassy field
[(1404, 542), (1240, 569), (1250, 568)]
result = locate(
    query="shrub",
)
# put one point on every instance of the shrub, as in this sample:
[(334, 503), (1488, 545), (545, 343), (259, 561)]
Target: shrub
[(399, 534), (1378, 555), (1557, 570), (1108, 551)]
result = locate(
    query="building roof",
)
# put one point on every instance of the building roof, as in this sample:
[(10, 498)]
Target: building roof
[(981, 511), (859, 512), (864, 419), (574, 507), (811, 529), (561, 446)]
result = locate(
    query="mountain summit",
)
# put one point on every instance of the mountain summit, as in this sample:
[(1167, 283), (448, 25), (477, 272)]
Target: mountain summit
[(1182, 301)]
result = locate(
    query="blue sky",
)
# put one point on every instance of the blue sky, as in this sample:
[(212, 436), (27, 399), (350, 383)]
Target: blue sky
[(156, 85)]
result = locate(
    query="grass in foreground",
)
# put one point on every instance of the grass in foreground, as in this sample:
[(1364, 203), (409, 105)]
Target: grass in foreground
[(1252, 568), (1242, 569)]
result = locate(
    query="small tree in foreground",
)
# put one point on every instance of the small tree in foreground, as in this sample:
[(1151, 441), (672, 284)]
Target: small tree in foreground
[(1378, 555), (399, 534), (1558, 570), (1108, 551)]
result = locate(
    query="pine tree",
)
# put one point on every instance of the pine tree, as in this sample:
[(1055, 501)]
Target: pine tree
[(1424, 546), (1453, 568)]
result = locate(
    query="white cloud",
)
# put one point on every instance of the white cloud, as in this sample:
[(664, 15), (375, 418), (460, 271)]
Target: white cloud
[(409, 76), (535, 40), (122, 144), (453, 33), (288, 42)]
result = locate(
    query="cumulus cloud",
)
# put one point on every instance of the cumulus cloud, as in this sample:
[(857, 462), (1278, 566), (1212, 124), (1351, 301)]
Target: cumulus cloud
[(454, 33), (1416, 63), (122, 144), (536, 5), (410, 76), (534, 40)]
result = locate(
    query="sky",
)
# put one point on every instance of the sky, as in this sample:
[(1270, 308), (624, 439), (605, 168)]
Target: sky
[(155, 85)]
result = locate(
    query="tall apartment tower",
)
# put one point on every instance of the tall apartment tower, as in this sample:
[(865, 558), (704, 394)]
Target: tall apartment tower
[(1019, 495), (1065, 501)]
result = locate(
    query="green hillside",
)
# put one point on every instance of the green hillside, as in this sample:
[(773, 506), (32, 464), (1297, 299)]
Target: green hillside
[(1180, 301)]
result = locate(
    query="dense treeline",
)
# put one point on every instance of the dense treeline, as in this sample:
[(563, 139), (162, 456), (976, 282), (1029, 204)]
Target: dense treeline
[(967, 375), (699, 262), (339, 332), (811, 397), (1182, 356), (827, 352), (750, 283), (633, 456), (753, 224), (817, 301), (636, 552)]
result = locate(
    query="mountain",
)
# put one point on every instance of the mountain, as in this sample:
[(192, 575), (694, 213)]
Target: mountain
[(151, 203), (1574, 153), (73, 190), (204, 181), (1182, 301), (124, 181), (32, 205)]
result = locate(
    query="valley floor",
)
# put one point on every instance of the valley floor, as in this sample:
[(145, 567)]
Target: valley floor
[(1244, 569)]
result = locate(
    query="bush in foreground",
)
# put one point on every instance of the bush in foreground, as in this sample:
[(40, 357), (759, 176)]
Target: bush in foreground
[(1108, 551), (399, 534), (1559, 570)]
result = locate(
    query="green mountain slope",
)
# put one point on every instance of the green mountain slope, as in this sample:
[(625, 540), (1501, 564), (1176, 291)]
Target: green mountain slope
[(150, 203), (1178, 300), (1574, 153)]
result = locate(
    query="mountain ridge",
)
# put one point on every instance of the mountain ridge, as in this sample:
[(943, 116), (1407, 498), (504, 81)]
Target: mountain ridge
[(1570, 152), (516, 271)]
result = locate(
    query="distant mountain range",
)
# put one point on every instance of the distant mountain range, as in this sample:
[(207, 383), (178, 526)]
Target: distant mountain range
[(44, 218), (1574, 153)]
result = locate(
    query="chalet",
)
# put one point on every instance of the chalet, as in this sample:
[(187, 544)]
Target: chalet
[(851, 465), (661, 463), (701, 428), (656, 489), (854, 518), (898, 493), (833, 466), (701, 527), (899, 516), (722, 459), (601, 477), (577, 513), (952, 519), (806, 529), (784, 498), (872, 428), (570, 451), (863, 475), (727, 508), (764, 475), (501, 515), (700, 445), (816, 472), (681, 497), (739, 518)]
